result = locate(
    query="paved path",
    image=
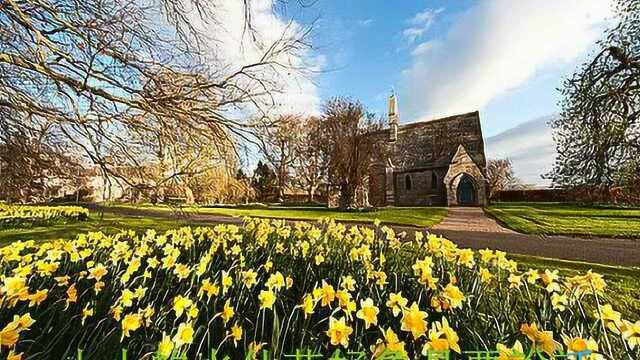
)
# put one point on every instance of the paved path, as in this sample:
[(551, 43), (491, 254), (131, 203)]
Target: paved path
[(460, 227), (465, 218)]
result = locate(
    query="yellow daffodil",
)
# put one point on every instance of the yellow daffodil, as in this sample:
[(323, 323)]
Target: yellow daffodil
[(184, 335), (559, 302), (131, 322), (575, 344), (236, 333), (348, 283), (227, 311), (165, 347), (396, 303), (542, 340), (192, 313), (249, 278), (549, 278), (368, 312), (86, 312), (516, 352), (465, 258), (227, 282), (413, 320), (97, 272), (182, 271), (127, 297), (485, 275), (98, 286), (390, 342), (180, 304), (326, 294), (631, 334), (38, 297), (611, 318), (515, 281), (208, 288), (307, 305), (339, 332), (72, 296), (276, 281), (454, 295), (267, 299)]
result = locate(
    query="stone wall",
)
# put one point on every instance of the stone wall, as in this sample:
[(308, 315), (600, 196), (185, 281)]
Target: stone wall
[(377, 186), (422, 191)]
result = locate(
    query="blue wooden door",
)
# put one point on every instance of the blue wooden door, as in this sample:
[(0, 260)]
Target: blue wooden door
[(466, 192)]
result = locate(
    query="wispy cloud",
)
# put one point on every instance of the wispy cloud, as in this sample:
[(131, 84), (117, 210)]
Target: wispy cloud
[(422, 48), (530, 147), (365, 22), (425, 17), (420, 23), (494, 47)]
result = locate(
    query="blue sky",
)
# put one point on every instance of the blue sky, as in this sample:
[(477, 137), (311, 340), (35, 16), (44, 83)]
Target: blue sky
[(366, 46), (504, 58)]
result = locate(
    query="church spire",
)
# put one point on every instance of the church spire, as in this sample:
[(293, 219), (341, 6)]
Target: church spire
[(393, 117)]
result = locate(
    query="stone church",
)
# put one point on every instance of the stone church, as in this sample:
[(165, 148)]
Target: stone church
[(437, 162)]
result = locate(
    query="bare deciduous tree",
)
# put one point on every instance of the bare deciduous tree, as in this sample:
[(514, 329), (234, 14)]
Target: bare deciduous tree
[(126, 83), (279, 146), (500, 176), (28, 164), (311, 158), (344, 125)]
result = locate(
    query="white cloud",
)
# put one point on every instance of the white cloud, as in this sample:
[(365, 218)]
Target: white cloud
[(420, 24), (425, 17), (233, 48), (496, 46), (365, 22), (413, 33), (530, 147)]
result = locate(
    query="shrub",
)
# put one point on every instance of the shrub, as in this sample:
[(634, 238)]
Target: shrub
[(269, 285)]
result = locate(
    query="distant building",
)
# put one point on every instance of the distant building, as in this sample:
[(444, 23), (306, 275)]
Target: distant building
[(437, 162)]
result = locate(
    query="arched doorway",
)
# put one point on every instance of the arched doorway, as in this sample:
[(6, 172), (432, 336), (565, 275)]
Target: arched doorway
[(466, 192)]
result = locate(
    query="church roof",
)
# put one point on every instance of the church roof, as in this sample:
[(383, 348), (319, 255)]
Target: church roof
[(432, 144)]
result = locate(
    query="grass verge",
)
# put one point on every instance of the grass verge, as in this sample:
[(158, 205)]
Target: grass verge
[(568, 219), (417, 216)]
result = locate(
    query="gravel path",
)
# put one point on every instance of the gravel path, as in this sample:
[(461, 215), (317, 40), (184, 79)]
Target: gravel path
[(473, 229)]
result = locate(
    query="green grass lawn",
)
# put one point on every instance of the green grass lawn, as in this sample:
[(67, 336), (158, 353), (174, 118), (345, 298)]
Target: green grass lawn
[(418, 216), (568, 219)]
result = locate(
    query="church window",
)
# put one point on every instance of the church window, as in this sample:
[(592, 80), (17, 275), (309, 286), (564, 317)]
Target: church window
[(407, 182), (434, 180)]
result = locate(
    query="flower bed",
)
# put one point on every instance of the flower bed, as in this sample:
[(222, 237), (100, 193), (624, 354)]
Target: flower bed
[(320, 287), (27, 215)]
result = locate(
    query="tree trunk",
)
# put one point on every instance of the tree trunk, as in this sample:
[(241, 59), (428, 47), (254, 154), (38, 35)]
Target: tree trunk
[(311, 194), (347, 196)]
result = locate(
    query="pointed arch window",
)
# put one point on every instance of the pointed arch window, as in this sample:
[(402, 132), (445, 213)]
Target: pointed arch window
[(434, 180), (407, 182)]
